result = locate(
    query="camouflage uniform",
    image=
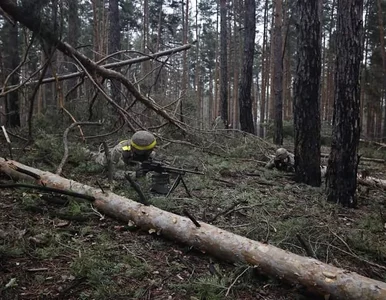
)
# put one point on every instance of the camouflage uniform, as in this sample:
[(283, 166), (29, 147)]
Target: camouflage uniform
[(283, 161), (138, 149)]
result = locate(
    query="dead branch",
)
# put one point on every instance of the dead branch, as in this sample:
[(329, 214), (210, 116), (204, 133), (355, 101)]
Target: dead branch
[(26, 172), (109, 66), (33, 95), (372, 182), (315, 275), (8, 141), (306, 246), (17, 136), (105, 134), (380, 145), (72, 89), (234, 281), (138, 189), (46, 189), (65, 143), (13, 88), (226, 210), (120, 110), (6, 16), (43, 29), (191, 217), (379, 160), (20, 64), (93, 99)]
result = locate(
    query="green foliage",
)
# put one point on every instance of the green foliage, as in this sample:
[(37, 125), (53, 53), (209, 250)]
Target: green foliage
[(88, 168), (49, 148), (288, 129), (11, 250), (208, 287)]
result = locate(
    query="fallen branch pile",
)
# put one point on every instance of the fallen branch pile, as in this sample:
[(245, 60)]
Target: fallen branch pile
[(315, 275), (89, 67)]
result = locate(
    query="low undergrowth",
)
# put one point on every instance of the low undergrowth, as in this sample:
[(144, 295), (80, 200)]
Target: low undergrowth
[(59, 247)]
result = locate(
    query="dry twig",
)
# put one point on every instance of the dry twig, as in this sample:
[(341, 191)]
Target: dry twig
[(65, 142), (237, 278)]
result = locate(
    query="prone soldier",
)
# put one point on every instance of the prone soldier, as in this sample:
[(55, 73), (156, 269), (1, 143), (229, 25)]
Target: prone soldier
[(283, 161), (136, 150)]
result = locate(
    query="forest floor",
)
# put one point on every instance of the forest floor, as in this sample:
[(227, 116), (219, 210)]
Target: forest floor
[(60, 248)]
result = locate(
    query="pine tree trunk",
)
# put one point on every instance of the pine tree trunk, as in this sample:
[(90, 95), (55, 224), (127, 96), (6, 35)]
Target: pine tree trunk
[(278, 73), (364, 99), (73, 38), (11, 61), (224, 62), (383, 54), (343, 160), (330, 69), (264, 73), (114, 44), (306, 95), (236, 66), (245, 95)]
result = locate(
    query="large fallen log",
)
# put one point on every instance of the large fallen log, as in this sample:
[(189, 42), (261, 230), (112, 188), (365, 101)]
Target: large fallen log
[(314, 275), (378, 160), (373, 182)]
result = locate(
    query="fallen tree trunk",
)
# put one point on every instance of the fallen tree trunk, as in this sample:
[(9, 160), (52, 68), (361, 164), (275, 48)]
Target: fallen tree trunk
[(316, 276), (373, 182), (378, 160), (380, 145)]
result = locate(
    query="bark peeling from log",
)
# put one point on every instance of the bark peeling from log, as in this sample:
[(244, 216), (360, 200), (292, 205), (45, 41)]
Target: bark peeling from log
[(310, 273)]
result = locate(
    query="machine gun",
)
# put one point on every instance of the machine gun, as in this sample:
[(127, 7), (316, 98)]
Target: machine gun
[(159, 167)]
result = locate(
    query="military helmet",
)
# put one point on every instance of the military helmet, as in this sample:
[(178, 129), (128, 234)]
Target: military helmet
[(143, 140), (281, 154)]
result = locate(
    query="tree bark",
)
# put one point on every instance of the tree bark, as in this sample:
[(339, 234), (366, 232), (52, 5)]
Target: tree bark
[(264, 73), (224, 63), (315, 275), (114, 44), (73, 38), (245, 100), (343, 160), (11, 62), (185, 75), (306, 95), (383, 54), (278, 73)]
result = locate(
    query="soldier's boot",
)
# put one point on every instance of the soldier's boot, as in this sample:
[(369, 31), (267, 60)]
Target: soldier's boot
[(160, 183)]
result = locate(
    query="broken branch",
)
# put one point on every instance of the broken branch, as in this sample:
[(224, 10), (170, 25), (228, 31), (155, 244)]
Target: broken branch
[(47, 189), (65, 143)]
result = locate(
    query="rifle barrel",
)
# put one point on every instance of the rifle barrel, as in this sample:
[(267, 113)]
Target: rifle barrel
[(152, 165)]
